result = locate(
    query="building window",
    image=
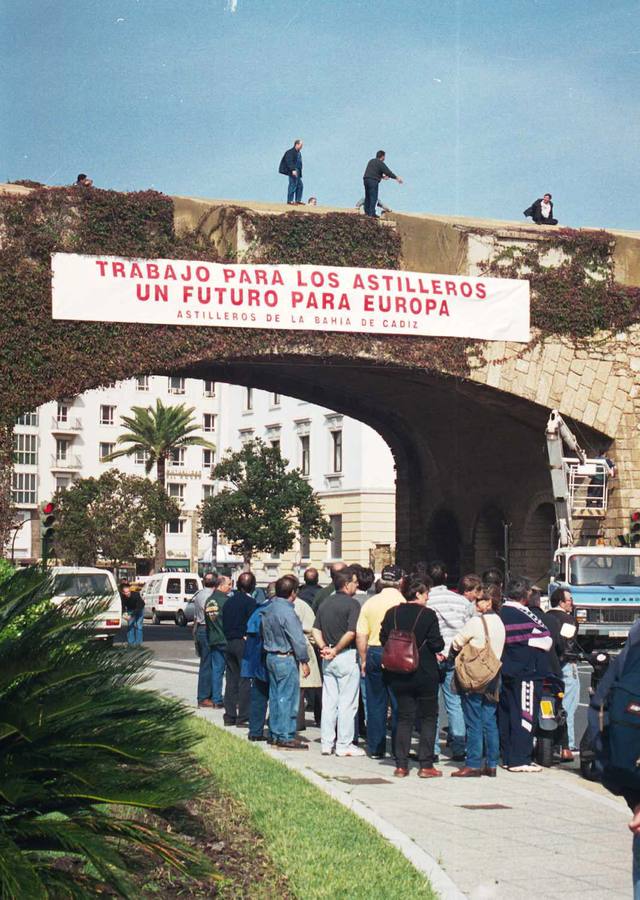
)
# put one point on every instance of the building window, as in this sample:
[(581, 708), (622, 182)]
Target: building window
[(30, 419), (63, 482), (62, 449), (305, 454), (207, 491), (107, 415), (305, 546), (141, 456), (25, 449), (24, 487), (245, 435), (275, 399), (176, 384), (176, 527), (176, 490), (209, 389), (336, 537), (105, 450), (208, 422), (207, 459), (336, 450), (275, 444), (62, 415), (176, 456), (142, 383), (248, 399)]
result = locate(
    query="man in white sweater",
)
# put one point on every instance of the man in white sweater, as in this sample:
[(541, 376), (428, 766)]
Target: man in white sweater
[(453, 611)]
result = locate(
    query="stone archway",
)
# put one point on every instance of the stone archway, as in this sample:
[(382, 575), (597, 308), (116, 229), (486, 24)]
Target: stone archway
[(464, 420)]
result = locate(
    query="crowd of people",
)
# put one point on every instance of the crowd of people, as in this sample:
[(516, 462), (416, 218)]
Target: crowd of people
[(333, 652)]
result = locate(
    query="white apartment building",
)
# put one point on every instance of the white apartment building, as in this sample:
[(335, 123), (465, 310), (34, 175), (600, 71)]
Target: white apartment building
[(347, 463)]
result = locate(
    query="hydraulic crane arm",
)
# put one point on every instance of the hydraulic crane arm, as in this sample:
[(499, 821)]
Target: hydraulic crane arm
[(558, 432)]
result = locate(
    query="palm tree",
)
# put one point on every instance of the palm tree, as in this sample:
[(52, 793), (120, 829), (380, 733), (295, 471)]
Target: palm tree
[(90, 763), (157, 432)]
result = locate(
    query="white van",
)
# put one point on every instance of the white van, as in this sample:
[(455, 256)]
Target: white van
[(166, 594), (83, 581)]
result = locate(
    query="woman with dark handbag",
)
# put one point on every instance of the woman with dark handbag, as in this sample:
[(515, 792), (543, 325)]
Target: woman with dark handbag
[(417, 691)]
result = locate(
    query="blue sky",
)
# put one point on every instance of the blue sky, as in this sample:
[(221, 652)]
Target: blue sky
[(481, 105)]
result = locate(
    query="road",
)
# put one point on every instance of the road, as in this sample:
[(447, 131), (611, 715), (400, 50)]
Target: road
[(172, 645)]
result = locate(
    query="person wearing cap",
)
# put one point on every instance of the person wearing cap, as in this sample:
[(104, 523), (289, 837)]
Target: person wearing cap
[(334, 632), (378, 695)]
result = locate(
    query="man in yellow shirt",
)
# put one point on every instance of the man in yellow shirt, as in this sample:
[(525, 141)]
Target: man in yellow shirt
[(378, 696)]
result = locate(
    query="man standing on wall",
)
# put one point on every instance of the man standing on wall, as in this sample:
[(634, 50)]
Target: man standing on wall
[(291, 166), (374, 173)]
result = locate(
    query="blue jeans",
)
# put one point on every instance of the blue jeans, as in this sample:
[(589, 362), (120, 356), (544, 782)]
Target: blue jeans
[(284, 696), (453, 706), (258, 707), (218, 663), (294, 192), (571, 698), (204, 672), (371, 188), (480, 716), (134, 628), (377, 698)]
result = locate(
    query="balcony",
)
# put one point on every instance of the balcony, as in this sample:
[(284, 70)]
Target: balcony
[(70, 425), (69, 463)]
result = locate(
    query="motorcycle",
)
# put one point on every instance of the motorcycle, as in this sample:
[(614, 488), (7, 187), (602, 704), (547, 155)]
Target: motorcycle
[(599, 661), (552, 719)]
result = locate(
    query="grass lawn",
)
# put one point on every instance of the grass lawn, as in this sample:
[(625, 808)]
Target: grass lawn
[(322, 849)]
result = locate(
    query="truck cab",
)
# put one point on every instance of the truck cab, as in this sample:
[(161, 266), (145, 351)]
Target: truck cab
[(605, 586)]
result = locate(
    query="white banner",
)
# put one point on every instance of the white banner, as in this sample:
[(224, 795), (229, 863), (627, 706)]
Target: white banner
[(296, 298)]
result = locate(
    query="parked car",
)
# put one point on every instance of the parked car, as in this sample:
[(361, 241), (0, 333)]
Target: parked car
[(166, 596), (83, 582)]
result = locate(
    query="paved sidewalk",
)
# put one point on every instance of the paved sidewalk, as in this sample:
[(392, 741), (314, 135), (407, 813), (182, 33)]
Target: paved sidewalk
[(551, 836)]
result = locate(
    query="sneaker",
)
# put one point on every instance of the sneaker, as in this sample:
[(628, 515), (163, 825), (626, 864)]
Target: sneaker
[(327, 751), (530, 767), (351, 751)]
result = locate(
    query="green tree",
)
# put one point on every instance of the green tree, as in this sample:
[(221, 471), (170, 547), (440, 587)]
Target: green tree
[(83, 751), (157, 432), (111, 518), (264, 505)]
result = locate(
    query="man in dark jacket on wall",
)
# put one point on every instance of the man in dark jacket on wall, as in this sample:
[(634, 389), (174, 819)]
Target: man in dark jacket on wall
[(541, 211), (291, 165), (374, 173)]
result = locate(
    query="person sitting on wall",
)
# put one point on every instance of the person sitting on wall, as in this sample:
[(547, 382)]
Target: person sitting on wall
[(541, 211)]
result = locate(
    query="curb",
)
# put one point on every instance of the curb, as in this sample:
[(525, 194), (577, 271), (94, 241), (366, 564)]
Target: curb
[(419, 858)]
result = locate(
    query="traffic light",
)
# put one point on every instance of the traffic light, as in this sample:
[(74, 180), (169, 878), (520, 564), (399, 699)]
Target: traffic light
[(48, 523), (634, 528)]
